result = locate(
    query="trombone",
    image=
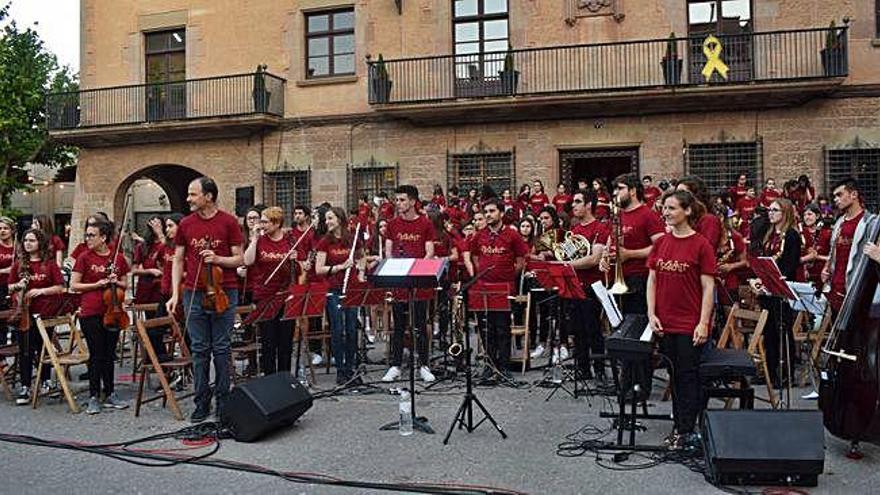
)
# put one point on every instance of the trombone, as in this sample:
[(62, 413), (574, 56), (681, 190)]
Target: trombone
[(619, 287)]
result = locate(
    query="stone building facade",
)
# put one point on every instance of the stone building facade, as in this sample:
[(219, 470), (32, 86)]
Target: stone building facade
[(170, 91)]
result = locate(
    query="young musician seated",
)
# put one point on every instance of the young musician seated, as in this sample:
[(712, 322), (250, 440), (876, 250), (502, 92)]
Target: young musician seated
[(36, 281), (94, 271), (680, 289)]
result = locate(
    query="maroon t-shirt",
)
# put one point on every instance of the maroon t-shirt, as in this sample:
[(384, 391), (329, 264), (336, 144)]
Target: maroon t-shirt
[(304, 246), (55, 245), (386, 211), (745, 207), (43, 274), (821, 241), (167, 266), (768, 196), (149, 288), (678, 264), (409, 236), (194, 232), (82, 248), (6, 255), (842, 248), (269, 254), (560, 201), (730, 253), (651, 195), (602, 211), (337, 252), (498, 250), (637, 226), (595, 232), (737, 193), (94, 267), (538, 201), (709, 226)]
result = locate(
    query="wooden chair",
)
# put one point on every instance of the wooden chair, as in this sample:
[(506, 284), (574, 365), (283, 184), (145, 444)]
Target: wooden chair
[(745, 329), (248, 350), (810, 345), (522, 354), (52, 353), (138, 312), (302, 329), (181, 362), (8, 371)]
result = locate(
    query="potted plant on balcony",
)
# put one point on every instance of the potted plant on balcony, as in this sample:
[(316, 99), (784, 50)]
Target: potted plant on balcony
[(380, 83), (671, 63), (834, 53), (508, 74), (260, 93)]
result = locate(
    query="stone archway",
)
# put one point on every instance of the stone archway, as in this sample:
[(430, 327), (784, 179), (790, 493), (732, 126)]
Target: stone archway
[(173, 179)]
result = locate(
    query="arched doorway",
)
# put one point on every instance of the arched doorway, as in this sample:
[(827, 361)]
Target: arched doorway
[(153, 190)]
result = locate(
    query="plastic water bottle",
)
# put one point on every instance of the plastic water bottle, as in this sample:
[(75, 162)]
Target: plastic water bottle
[(406, 426), (301, 374), (557, 374)]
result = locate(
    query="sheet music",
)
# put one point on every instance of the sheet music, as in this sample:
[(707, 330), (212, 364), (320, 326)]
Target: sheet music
[(807, 299), (647, 334), (608, 304), (396, 267)]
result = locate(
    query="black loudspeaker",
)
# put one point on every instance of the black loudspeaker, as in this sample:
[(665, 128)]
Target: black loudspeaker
[(764, 447), (265, 404)]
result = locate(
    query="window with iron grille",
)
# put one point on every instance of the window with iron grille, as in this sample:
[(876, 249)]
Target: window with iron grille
[(288, 190), (330, 43), (370, 179), (861, 163), (720, 164), (877, 18), (474, 170)]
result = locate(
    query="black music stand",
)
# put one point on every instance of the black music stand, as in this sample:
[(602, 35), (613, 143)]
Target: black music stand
[(411, 274), (771, 278), (362, 295), (303, 302), (464, 417)]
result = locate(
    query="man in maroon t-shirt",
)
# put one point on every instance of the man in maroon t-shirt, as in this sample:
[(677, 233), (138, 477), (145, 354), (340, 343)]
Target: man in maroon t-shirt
[(585, 313), (652, 192), (498, 252), (846, 240), (208, 237), (409, 235), (639, 228)]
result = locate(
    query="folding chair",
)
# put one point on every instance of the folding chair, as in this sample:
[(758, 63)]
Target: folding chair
[(747, 325), (248, 350), (521, 355), (60, 359), (181, 362), (138, 312)]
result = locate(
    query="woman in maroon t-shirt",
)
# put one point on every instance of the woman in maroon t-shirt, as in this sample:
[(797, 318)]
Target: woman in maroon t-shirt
[(7, 251), (680, 288), (147, 262), (603, 199), (38, 277), (268, 247), (56, 245), (333, 260), (91, 275), (165, 230)]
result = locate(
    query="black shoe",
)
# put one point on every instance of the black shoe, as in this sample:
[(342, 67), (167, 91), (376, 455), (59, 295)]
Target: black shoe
[(84, 377), (200, 414), (341, 379)]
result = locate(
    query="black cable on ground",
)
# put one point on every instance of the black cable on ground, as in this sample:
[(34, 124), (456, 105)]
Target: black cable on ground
[(123, 451)]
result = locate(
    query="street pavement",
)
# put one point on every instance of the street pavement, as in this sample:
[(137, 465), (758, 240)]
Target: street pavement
[(340, 437)]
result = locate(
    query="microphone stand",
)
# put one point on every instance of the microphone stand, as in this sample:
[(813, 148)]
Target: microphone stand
[(464, 417)]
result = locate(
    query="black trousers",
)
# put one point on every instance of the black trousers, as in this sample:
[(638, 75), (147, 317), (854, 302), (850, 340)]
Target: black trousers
[(102, 354), (685, 374), (420, 333), (778, 310), (276, 345), (498, 338), (29, 346), (587, 331)]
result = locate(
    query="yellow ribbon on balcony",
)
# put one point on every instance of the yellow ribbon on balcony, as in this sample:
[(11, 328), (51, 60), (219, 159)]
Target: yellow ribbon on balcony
[(712, 51)]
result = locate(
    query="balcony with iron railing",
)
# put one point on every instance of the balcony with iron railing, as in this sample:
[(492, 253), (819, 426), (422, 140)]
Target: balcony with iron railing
[(167, 110), (765, 68)]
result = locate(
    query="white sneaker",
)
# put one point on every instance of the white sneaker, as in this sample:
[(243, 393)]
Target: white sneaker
[(23, 397), (811, 396), (392, 374), (538, 352), (426, 374), (436, 329), (317, 360)]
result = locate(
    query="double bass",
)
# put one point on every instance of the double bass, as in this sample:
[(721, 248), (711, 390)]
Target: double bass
[(849, 391)]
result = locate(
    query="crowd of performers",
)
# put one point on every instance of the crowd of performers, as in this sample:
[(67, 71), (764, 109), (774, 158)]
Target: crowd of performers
[(683, 255)]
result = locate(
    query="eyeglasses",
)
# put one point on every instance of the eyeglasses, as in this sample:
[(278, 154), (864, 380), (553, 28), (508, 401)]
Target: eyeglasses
[(578, 201), (775, 210), (90, 236)]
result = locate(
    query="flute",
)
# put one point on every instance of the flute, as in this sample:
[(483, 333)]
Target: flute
[(357, 232)]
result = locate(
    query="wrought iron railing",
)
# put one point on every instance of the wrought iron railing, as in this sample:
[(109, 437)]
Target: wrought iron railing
[(790, 55), (223, 96)]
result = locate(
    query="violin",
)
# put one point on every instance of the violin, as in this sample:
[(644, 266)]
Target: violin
[(21, 314), (211, 279), (115, 315)]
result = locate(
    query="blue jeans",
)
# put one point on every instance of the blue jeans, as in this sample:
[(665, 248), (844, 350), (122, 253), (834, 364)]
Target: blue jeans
[(343, 328), (210, 334)]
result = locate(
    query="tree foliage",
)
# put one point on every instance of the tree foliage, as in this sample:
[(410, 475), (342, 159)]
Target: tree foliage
[(27, 72)]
